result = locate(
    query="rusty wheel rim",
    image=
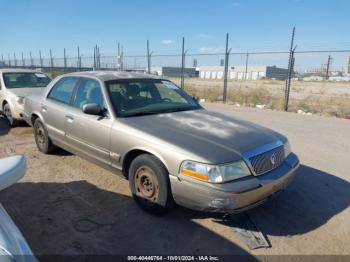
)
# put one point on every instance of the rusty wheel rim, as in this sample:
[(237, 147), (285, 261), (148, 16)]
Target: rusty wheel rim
[(146, 184), (40, 134)]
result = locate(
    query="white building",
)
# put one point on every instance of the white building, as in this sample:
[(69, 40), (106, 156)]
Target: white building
[(243, 73)]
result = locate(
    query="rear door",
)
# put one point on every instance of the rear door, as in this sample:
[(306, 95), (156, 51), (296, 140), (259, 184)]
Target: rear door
[(55, 107), (89, 134)]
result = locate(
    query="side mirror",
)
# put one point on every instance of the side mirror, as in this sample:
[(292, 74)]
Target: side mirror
[(92, 109)]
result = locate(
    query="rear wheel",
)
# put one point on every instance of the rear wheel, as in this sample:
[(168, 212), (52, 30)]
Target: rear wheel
[(8, 115), (42, 140), (149, 184)]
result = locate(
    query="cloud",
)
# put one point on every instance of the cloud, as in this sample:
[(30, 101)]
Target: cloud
[(204, 36), (211, 50), (167, 42), (236, 4)]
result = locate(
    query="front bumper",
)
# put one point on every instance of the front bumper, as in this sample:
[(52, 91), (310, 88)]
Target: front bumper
[(235, 196)]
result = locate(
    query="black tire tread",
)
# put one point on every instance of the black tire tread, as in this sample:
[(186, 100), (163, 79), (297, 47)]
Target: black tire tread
[(166, 199), (49, 147)]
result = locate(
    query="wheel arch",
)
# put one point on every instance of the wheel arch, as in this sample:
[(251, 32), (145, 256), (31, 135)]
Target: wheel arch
[(4, 102), (33, 117), (133, 153), (8, 102)]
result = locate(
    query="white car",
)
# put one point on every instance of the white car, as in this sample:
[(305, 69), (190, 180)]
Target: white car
[(15, 85), (13, 246)]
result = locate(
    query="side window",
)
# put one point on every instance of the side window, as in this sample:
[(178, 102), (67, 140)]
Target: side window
[(63, 89), (89, 92)]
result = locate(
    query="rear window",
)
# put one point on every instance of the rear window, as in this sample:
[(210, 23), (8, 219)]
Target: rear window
[(25, 80)]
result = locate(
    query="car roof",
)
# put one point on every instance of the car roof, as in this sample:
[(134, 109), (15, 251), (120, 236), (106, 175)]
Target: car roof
[(18, 70), (112, 75)]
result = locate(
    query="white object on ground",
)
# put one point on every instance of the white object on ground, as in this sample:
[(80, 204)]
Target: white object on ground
[(12, 169)]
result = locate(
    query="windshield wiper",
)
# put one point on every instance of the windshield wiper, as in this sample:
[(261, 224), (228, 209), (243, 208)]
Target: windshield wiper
[(164, 111), (142, 113)]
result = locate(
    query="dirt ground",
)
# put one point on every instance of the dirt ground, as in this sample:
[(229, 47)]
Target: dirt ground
[(299, 89), (325, 98), (66, 205)]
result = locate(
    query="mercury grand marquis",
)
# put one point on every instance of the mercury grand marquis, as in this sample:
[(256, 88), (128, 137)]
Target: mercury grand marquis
[(162, 140)]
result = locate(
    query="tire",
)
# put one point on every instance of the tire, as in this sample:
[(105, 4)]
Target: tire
[(8, 115), (149, 184), (42, 139)]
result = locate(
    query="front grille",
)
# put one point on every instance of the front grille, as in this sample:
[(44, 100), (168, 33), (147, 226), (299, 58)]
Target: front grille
[(264, 163)]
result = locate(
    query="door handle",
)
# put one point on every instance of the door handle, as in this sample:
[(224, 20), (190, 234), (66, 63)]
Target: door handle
[(70, 119), (44, 109)]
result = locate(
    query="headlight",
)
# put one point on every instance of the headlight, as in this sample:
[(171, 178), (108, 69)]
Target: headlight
[(287, 149), (215, 173), (20, 100)]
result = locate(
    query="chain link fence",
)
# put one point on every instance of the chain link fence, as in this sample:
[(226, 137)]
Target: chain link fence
[(319, 79)]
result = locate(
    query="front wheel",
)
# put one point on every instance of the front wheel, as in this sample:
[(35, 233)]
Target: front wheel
[(149, 184), (42, 139)]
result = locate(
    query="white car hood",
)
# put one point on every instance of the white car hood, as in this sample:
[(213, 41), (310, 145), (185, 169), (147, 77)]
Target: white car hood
[(24, 92)]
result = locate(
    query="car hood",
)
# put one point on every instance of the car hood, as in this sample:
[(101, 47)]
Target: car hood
[(26, 91), (212, 136)]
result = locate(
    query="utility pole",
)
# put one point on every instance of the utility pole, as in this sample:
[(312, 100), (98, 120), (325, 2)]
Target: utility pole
[(51, 60), (246, 65), (78, 60), (23, 63), (195, 62), (64, 59), (122, 58), (41, 59), (118, 57), (330, 59), (94, 67), (9, 60), (97, 62), (31, 59), (183, 64), (227, 56), (148, 59), (98, 58), (290, 71), (14, 57)]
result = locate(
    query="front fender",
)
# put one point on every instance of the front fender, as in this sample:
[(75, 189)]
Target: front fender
[(152, 152)]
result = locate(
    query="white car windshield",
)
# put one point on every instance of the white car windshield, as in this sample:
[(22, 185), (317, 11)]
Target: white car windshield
[(25, 79)]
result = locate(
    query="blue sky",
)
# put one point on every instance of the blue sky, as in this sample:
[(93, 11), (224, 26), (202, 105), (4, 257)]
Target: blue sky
[(252, 24)]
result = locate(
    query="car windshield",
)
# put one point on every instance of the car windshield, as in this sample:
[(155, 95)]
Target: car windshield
[(25, 79), (148, 96)]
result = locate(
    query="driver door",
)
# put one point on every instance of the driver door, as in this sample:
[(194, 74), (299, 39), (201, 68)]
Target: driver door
[(89, 135)]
